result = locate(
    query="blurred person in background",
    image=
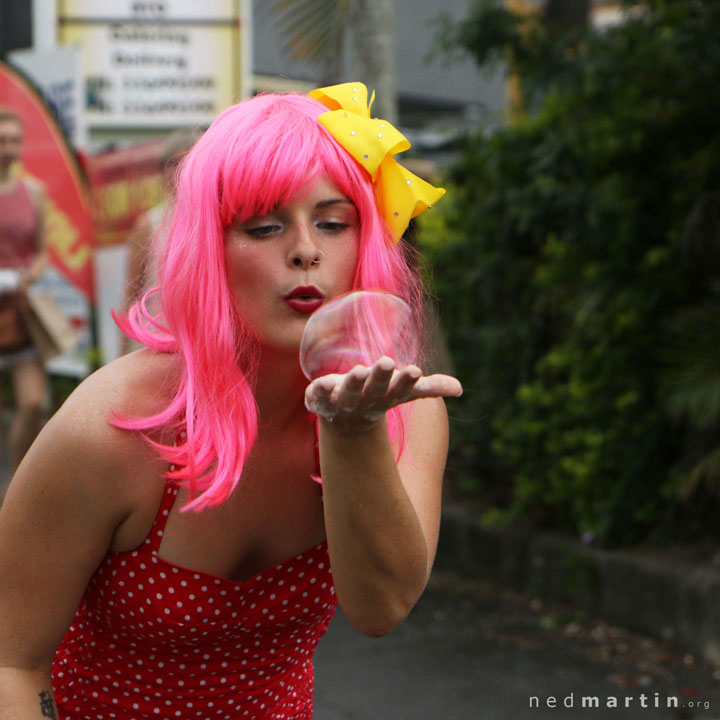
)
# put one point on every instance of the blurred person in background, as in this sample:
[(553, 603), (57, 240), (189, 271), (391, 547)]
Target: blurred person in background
[(23, 258)]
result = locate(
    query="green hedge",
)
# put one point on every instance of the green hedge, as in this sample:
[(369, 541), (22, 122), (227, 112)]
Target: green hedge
[(586, 247)]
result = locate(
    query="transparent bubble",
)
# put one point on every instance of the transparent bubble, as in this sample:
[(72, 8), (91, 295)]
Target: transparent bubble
[(358, 329)]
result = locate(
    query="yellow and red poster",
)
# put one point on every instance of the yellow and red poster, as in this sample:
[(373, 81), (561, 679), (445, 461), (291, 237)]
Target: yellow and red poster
[(124, 183), (47, 157)]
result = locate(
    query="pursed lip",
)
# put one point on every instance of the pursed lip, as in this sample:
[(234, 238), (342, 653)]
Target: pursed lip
[(305, 292), (304, 299)]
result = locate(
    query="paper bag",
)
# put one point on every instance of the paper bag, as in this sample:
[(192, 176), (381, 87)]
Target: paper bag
[(51, 332)]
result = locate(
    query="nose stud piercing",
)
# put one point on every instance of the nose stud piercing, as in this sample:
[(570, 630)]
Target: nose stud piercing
[(318, 260)]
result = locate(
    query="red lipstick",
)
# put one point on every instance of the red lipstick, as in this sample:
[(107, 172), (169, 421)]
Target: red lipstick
[(305, 299)]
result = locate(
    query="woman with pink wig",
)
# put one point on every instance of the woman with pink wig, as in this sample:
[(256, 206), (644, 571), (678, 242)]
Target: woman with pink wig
[(176, 540)]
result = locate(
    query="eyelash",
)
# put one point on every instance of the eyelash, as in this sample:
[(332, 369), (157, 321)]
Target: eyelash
[(260, 231), (334, 227)]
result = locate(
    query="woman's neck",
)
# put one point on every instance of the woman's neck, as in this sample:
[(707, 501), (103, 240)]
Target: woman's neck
[(280, 390)]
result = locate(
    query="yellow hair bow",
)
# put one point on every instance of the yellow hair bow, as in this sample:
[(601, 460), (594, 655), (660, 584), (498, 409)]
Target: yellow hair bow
[(400, 195)]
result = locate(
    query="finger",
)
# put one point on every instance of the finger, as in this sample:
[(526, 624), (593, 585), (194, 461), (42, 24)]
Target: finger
[(403, 382), (377, 384), (349, 394), (437, 386), (324, 386), (318, 396)]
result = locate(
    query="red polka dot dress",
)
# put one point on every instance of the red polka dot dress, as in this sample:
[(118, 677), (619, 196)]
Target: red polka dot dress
[(155, 640)]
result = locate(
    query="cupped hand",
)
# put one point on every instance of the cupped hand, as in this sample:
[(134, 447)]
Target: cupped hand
[(363, 395)]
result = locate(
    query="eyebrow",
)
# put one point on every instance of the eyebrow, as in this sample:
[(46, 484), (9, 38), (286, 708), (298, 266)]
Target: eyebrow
[(334, 201)]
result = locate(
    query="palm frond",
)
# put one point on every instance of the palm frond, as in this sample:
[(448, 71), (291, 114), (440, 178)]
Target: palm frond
[(705, 472), (690, 380), (312, 27)]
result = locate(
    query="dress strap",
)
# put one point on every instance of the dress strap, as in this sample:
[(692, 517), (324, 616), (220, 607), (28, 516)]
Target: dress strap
[(171, 490), (155, 537), (316, 476), (317, 450)]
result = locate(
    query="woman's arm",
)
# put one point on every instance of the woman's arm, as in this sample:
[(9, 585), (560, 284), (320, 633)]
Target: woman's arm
[(26, 694), (382, 517), (56, 524)]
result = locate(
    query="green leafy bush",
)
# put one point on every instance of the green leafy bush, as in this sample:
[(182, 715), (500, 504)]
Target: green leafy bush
[(566, 299)]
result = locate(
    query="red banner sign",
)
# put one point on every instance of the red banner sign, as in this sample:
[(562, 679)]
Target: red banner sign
[(47, 157), (124, 183)]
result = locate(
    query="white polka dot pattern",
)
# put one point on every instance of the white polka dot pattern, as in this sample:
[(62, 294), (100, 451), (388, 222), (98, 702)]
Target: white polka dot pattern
[(155, 640)]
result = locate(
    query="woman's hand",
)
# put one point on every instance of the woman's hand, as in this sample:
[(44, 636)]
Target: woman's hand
[(362, 396)]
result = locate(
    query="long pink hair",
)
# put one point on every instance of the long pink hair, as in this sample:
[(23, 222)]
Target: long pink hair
[(253, 158)]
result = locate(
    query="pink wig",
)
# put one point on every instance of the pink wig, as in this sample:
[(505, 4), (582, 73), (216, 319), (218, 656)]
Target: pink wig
[(252, 159)]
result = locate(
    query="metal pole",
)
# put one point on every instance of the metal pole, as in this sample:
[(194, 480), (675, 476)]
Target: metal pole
[(44, 24)]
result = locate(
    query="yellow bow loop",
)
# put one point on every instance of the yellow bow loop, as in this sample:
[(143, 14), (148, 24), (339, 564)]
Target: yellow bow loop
[(400, 195), (351, 97)]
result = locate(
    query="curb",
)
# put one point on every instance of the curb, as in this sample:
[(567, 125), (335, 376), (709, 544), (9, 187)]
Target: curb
[(669, 601)]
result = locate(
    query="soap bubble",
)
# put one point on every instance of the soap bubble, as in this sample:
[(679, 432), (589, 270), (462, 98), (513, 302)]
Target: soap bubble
[(358, 329)]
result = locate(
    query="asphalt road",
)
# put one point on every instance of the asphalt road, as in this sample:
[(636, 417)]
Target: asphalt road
[(470, 652)]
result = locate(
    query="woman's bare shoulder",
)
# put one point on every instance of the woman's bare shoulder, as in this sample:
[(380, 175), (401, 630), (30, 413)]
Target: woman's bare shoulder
[(82, 434), (139, 384)]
